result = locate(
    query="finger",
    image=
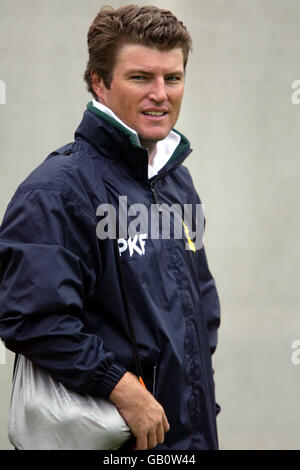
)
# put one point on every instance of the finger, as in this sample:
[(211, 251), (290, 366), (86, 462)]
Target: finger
[(160, 434), (166, 424), (141, 442), (152, 442)]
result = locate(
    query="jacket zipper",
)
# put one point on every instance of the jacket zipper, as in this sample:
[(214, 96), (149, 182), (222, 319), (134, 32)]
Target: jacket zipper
[(156, 200), (152, 187), (155, 197)]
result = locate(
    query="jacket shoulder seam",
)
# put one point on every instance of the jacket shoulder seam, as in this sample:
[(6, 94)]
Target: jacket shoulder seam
[(64, 192)]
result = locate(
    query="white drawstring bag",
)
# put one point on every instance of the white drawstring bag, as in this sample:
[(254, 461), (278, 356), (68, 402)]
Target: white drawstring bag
[(44, 415)]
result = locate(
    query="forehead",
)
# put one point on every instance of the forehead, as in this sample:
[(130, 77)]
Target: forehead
[(149, 59)]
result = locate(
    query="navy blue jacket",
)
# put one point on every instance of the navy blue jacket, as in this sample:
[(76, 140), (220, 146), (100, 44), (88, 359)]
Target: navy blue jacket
[(60, 299)]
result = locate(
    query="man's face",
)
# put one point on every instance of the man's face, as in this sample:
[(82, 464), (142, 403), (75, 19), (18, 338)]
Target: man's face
[(146, 90)]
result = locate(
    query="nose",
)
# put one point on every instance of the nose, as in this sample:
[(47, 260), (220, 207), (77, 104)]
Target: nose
[(158, 90)]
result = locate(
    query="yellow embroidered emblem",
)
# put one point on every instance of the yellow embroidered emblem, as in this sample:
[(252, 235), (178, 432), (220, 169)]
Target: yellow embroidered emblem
[(187, 234)]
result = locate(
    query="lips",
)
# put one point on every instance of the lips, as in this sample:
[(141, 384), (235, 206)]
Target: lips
[(155, 112)]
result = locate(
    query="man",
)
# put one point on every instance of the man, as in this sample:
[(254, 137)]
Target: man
[(60, 296)]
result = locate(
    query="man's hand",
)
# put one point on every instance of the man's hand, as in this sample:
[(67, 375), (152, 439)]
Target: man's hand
[(143, 414)]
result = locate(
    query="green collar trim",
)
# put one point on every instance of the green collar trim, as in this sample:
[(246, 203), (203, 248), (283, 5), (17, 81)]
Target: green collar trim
[(183, 147), (132, 136)]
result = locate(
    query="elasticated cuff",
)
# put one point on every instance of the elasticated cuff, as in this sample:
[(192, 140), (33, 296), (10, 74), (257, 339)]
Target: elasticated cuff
[(110, 379)]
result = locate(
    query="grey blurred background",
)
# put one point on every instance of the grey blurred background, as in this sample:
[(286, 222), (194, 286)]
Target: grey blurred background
[(243, 123)]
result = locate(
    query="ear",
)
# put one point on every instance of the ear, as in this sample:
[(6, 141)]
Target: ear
[(98, 86)]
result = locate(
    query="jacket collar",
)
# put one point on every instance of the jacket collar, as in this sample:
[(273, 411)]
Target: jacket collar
[(115, 141)]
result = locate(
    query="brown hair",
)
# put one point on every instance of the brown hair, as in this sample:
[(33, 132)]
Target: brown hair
[(146, 25)]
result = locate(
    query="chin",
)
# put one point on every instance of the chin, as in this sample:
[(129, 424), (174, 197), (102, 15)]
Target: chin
[(154, 137)]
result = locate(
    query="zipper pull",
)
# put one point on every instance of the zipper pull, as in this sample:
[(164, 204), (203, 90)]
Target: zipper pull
[(142, 382), (155, 197)]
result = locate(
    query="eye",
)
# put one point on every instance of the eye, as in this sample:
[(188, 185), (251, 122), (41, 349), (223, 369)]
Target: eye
[(138, 78), (174, 79)]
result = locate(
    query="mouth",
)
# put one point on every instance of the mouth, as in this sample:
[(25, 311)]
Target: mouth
[(154, 115)]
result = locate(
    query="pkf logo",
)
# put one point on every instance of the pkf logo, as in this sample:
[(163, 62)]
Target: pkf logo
[(2, 92), (135, 244)]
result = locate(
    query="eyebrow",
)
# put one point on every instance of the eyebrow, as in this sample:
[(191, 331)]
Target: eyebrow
[(149, 72)]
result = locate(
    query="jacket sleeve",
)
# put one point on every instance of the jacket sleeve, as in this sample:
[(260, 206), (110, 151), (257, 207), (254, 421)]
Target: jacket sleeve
[(46, 247), (211, 304), (210, 300)]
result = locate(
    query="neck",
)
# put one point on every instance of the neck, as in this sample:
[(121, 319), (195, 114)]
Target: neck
[(151, 147)]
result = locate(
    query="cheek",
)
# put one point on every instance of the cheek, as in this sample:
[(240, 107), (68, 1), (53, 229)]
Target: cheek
[(177, 100), (177, 108)]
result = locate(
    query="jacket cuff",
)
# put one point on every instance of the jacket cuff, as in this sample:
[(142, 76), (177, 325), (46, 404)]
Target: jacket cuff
[(109, 380)]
